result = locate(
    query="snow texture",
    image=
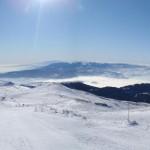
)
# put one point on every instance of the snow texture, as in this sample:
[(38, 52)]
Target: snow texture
[(49, 116)]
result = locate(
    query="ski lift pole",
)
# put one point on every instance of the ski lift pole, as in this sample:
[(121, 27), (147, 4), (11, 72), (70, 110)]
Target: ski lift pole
[(128, 112)]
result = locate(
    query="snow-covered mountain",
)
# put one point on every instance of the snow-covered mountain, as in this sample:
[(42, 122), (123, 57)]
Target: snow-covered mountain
[(50, 116), (43, 114), (60, 70)]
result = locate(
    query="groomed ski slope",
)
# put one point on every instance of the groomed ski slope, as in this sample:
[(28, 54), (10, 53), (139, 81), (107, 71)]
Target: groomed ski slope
[(53, 117)]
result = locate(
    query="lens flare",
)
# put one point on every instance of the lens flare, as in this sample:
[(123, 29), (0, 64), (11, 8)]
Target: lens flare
[(49, 2), (41, 6)]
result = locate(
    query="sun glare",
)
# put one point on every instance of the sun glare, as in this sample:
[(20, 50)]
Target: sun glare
[(43, 1), (46, 2)]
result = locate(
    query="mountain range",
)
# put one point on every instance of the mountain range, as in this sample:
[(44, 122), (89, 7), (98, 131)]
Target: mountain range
[(61, 70)]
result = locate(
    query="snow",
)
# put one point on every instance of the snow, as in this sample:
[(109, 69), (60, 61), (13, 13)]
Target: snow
[(53, 117)]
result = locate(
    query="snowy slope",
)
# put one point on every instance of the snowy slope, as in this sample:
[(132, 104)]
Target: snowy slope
[(53, 117)]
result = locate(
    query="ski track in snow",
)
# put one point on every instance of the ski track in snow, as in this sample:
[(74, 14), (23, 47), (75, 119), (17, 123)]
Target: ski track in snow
[(53, 117)]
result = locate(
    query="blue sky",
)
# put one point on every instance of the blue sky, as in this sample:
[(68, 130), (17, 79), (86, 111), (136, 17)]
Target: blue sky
[(86, 30)]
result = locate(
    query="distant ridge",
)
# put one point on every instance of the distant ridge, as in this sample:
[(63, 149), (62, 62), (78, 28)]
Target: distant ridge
[(135, 93), (57, 70)]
